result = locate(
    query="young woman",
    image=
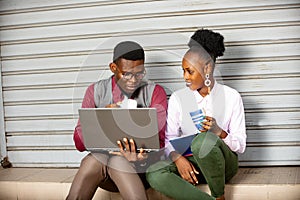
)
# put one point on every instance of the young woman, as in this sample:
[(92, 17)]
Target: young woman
[(219, 127)]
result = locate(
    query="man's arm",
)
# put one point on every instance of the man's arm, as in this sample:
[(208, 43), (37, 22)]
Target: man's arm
[(88, 102), (159, 101)]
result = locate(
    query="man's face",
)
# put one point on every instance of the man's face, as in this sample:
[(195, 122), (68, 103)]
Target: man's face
[(128, 74)]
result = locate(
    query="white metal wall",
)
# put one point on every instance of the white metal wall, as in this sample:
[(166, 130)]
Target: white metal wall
[(52, 50)]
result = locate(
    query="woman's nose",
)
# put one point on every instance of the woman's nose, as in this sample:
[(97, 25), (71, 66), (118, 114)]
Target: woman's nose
[(185, 76)]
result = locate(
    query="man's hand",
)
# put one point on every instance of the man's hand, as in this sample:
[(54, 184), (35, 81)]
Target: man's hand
[(128, 150), (114, 105), (186, 169)]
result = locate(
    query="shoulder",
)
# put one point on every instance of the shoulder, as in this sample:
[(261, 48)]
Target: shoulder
[(90, 88), (229, 90), (159, 89), (230, 94), (180, 94), (103, 81), (183, 93)]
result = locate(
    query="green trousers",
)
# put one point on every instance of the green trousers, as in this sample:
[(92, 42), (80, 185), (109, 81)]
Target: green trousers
[(216, 162)]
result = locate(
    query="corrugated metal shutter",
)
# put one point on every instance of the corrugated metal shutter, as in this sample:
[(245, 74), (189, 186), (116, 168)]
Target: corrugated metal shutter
[(52, 50)]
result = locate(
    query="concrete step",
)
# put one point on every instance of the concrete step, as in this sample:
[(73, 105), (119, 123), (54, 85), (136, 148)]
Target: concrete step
[(276, 183)]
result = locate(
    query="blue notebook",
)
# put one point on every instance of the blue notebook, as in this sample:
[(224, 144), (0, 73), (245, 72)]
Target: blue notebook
[(183, 144)]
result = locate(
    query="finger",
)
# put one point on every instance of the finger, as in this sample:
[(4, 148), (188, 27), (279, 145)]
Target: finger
[(208, 118), (142, 155), (208, 123), (189, 177), (194, 170), (141, 152), (193, 175), (127, 146), (111, 106), (194, 179), (132, 146), (185, 174), (120, 146), (115, 153), (205, 127)]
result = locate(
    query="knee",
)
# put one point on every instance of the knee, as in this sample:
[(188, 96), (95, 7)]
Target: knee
[(90, 166), (119, 163), (204, 145), (89, 160)]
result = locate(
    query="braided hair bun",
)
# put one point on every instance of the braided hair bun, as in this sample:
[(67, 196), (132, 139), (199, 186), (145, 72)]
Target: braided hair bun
[(211, 41)]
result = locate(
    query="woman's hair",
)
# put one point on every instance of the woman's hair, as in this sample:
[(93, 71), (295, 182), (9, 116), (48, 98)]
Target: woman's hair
[(211, 41)]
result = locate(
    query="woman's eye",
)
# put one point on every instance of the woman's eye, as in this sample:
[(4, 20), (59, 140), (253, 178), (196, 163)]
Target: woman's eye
[(190, 71)]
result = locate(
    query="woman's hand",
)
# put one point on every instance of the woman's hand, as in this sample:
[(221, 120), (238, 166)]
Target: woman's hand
[(128, 150), (186, 169), (210, 124)]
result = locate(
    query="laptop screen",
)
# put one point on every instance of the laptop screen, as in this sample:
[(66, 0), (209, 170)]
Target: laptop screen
[(102, 127)]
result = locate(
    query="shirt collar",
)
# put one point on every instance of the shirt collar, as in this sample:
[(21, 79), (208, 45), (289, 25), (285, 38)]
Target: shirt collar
[(200, 98)]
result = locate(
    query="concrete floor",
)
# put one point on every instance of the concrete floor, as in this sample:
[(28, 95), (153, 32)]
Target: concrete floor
[(261, 183)]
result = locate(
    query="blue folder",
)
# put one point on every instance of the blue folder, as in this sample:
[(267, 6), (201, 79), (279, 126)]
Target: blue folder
[(183, 144)]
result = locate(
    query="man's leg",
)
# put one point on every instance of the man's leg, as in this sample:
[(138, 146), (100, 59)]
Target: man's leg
[(91, 173), (127, 180), (216, 161), (164, 177)]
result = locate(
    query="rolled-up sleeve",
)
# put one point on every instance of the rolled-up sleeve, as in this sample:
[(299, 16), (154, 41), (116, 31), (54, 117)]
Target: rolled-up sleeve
[(236, 138)]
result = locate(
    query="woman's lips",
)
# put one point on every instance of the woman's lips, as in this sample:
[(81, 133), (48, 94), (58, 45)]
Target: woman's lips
[(188, 84)]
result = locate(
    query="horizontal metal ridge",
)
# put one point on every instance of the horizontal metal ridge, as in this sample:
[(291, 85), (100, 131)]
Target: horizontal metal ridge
[(109, 51), (43, 102), (41, 148), (152, 15), (31, 133), (272, 144), (41, 117), (71, 6), (150, 32)]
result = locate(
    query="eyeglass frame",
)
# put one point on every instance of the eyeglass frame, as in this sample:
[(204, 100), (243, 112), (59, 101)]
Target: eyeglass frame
[(143, 73)]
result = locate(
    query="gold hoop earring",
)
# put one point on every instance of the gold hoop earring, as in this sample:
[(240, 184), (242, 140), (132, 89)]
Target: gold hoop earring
[(207, 82)]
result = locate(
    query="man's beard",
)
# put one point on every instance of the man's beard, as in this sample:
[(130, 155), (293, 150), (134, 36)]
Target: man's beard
[(136, 92)]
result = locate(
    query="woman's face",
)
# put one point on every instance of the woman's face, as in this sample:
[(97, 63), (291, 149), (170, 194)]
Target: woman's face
[(193, 71)]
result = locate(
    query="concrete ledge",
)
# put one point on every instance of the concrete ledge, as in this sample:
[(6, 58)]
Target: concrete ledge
[(276, 183)]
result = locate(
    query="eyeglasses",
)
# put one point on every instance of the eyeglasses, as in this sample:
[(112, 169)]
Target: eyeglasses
[(138, 76)]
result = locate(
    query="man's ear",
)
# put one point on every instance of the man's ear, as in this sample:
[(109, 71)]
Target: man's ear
[(113, 67)]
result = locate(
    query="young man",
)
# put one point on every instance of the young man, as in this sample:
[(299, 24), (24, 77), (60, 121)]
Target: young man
[(112, 172)]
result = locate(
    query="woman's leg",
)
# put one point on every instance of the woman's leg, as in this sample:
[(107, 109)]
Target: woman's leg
[(127, 180), (216, 161), (163, 177), (92, 173)]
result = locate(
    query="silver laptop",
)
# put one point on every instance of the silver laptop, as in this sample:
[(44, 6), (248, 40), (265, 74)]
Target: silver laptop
[(102, 127)]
